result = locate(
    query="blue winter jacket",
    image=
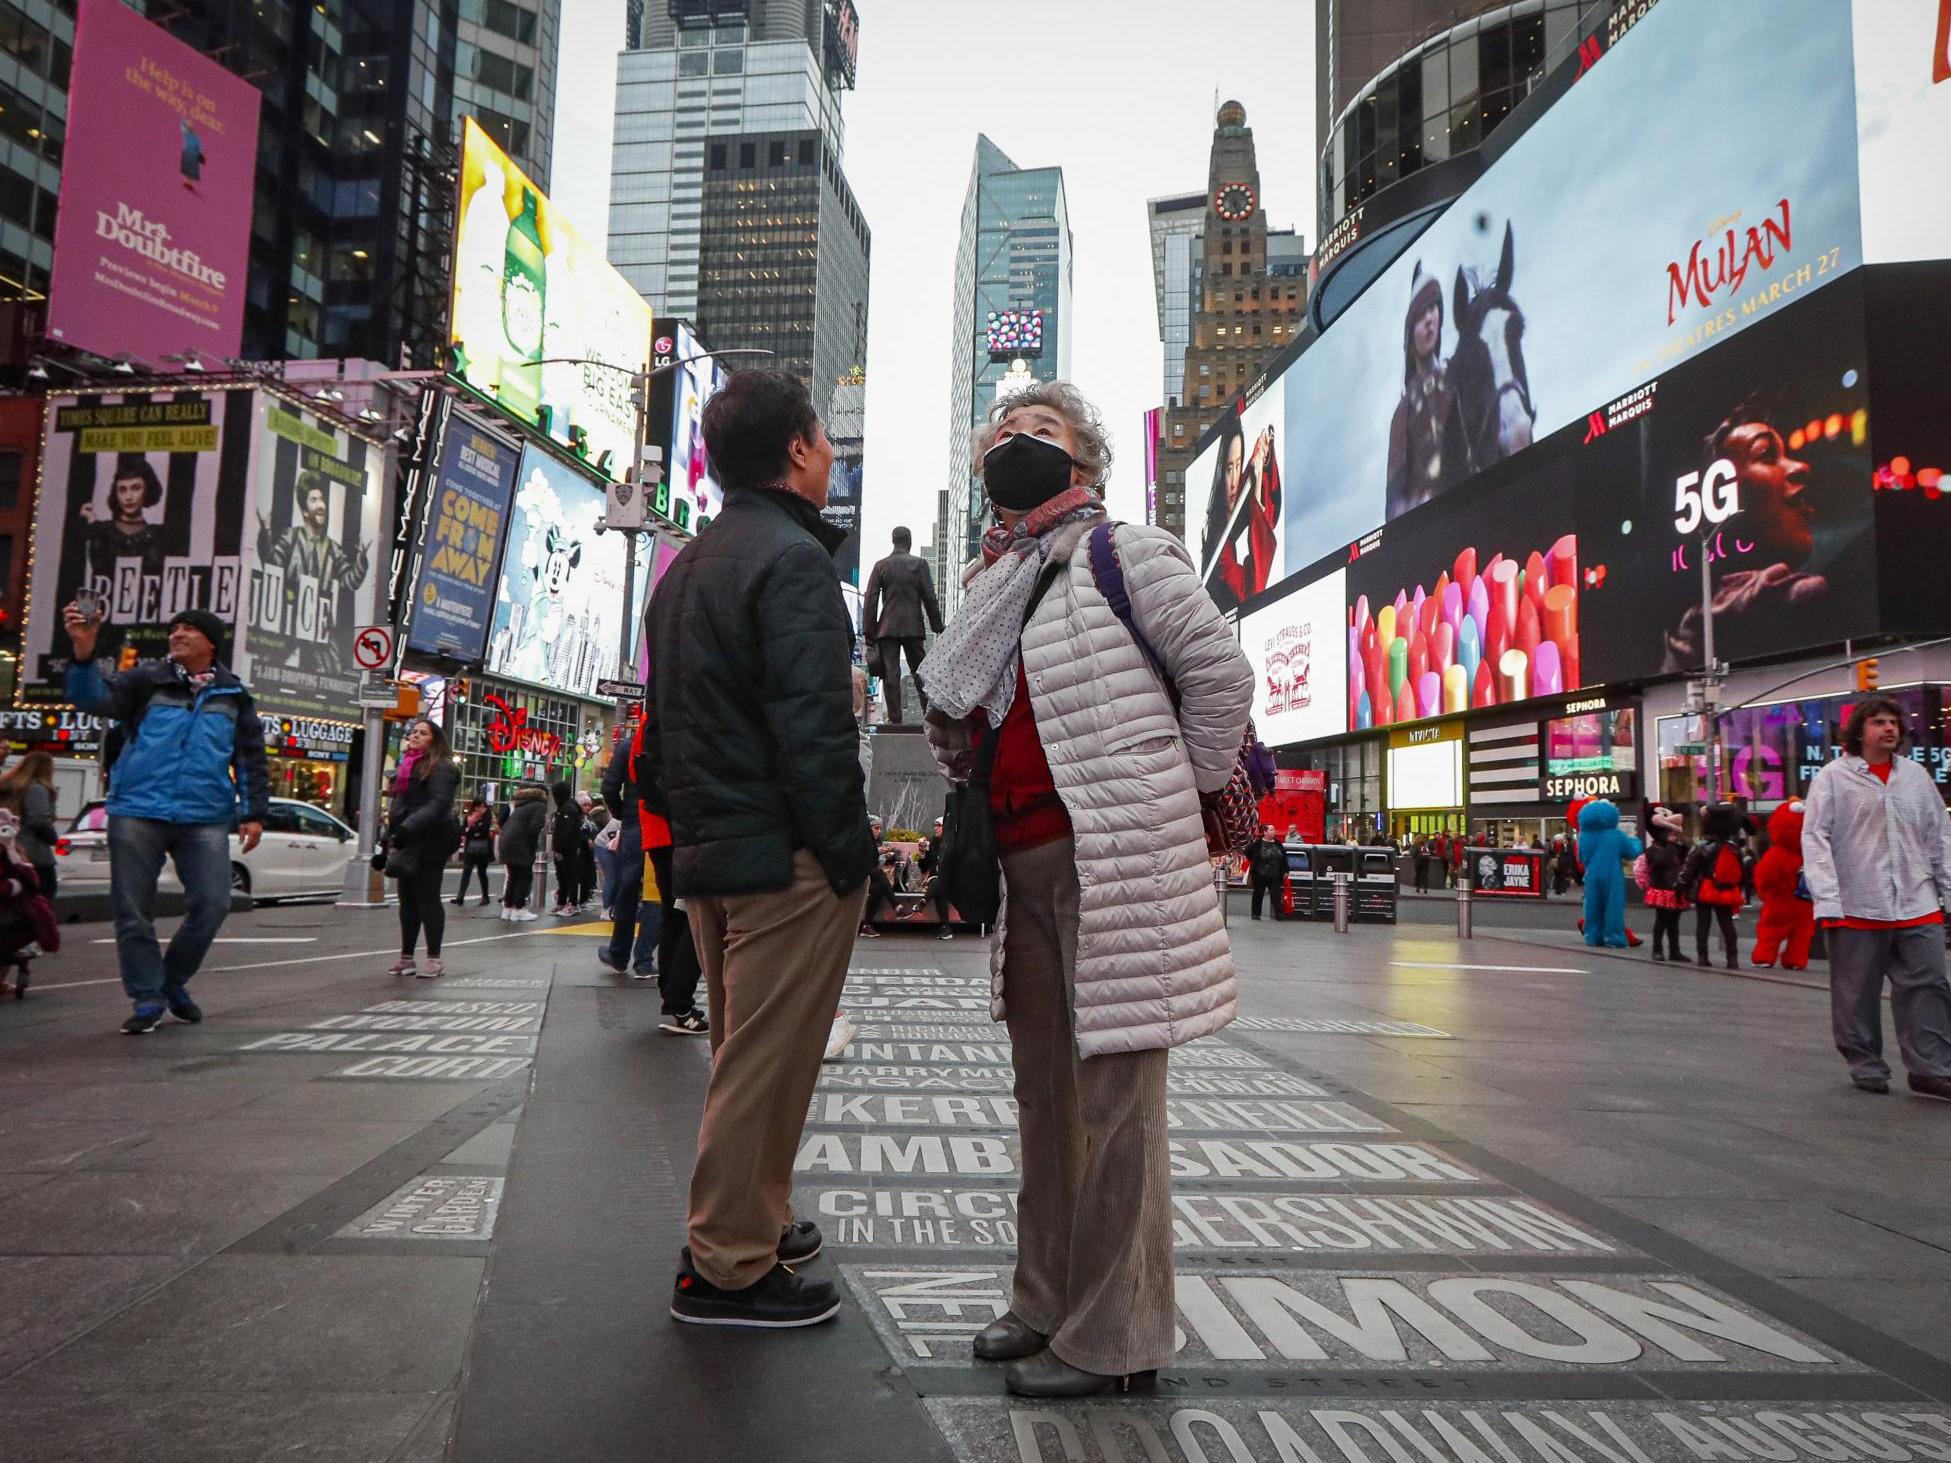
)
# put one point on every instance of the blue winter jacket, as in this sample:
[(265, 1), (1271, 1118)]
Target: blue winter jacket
[(191, 756)]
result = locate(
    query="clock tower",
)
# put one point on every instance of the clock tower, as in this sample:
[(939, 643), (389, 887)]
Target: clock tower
[(1241, 318)]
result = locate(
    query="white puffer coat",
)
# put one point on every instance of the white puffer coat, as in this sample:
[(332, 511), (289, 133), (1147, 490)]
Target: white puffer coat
[(1154, 966)]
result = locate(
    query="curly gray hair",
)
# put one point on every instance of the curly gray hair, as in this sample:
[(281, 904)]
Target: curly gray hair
[(1086, 425)]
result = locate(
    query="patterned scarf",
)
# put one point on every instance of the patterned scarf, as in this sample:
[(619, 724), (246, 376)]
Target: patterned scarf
[(973, 664)]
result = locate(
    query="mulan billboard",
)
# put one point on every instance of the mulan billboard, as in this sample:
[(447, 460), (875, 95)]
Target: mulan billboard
[(1671, 199)]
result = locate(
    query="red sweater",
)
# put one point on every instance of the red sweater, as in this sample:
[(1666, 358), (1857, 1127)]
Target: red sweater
[(1022, 794)]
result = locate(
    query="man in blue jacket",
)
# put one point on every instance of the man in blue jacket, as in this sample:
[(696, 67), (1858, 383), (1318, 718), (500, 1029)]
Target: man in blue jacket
[(191, 769)]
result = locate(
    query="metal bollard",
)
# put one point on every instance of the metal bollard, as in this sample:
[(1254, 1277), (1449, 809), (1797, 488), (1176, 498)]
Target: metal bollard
[(1221, 886), (1463, 905), (1342, 882)]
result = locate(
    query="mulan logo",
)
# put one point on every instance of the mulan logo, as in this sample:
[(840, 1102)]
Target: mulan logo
[(1717, 266)]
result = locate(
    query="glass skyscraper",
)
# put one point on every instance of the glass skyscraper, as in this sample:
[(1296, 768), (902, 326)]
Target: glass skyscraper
[(1014, 254)]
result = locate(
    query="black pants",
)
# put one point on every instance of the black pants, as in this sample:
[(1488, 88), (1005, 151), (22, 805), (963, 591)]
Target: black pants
[(1704, 917), (515, 891), (1666, 926), (891, 653), (880, 894), (469, 867), (420, 908), (678, 970), (568, 879), (1422, 876), (1262, 888)]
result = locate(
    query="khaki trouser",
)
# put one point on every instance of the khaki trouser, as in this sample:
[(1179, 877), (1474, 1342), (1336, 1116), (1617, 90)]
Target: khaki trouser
[(774, 964), (1094, 1253)]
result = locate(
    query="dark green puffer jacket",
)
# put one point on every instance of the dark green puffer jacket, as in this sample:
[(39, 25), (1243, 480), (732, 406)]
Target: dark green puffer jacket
[(751, 740)]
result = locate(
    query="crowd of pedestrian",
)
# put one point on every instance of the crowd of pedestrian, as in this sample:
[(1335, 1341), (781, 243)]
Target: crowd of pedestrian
[(732, 846)]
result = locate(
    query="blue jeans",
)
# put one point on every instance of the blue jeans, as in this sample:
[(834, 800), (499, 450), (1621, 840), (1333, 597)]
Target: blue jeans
[(606, 872), (632, 911), (136, 847)]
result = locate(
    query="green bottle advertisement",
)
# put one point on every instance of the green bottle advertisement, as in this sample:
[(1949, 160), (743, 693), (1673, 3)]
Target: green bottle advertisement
[(523, 287)]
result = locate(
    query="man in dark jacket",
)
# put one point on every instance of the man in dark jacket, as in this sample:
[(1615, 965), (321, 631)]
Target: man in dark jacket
[(899, 592), (1266, 866), (754, 758), (192, 768)]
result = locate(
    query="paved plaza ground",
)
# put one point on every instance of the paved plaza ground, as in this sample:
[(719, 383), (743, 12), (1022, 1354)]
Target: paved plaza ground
[(1494, 1201)]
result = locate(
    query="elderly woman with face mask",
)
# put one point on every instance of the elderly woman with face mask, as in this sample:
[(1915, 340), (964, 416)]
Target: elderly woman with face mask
[(1110, 949)]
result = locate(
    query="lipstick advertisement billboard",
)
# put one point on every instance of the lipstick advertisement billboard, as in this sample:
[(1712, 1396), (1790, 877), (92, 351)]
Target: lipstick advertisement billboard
[(152, 242), (543, 326)]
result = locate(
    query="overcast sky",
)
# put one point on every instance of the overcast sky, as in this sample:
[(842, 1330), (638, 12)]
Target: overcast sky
[(1119, 93)]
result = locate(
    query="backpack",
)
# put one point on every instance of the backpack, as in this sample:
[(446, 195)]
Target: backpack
[(1231, 815)]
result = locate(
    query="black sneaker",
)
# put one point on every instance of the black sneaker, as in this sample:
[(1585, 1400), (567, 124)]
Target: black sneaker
[(1928, 1086), (779, 1301), (691, 1023), (603, 959), (184, 1009), (142, 1022), (800, 1243)]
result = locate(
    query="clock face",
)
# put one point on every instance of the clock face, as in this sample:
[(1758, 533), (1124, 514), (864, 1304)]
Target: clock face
[(1234, 202)]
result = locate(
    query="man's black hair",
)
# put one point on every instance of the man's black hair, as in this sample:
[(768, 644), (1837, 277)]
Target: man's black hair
[(1859, 721), (903, 539), (750, 425)]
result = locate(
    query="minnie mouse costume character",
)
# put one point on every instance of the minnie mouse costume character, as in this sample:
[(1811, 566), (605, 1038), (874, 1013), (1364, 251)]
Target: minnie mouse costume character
[(1788, 917), (1665, 857)]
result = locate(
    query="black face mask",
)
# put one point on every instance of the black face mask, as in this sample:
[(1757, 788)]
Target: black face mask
[(1025, 472)]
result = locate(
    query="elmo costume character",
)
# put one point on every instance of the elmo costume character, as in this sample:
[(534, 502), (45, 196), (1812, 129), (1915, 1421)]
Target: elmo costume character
[(1788, 918)]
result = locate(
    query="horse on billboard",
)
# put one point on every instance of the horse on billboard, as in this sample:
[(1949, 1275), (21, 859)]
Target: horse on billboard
[(1491, 413)]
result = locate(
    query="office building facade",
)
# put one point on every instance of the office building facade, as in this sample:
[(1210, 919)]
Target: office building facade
[(358, 133), (1244, 312), (1014, 253), (697, 78)]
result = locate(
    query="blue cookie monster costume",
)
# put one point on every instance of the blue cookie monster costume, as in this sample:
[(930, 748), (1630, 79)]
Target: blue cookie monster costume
[(1602, 848)]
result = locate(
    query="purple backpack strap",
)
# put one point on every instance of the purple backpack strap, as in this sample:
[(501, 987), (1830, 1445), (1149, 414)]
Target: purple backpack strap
[(1110, 577)]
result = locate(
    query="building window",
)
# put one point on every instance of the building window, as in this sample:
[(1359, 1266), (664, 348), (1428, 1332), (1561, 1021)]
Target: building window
[(727, 63), (748, 156), (718, 151), (693, 63), (808, 152), (9, 481), (776, 155)]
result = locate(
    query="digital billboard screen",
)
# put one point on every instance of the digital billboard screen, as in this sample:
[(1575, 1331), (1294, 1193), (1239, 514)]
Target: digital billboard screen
[(1295, 648), (143, 499), (1574, 269), (542, 324), (1246, 528), (453, 599), (695, 496), (1754, 455), (1471, 603), (1015, 333), (559, 605), (310, 579), (158, 172)]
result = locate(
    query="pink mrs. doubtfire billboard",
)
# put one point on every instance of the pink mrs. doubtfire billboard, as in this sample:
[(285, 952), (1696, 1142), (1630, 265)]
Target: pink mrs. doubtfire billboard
[(153, 237)]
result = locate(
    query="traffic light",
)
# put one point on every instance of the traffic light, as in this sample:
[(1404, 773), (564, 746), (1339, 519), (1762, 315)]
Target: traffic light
[(1866, 674)]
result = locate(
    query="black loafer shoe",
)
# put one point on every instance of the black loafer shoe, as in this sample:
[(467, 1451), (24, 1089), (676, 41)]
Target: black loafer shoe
[(1879, 1085), (1007, 1338), (1046, 1375), (1938, 1087), (800, 1243)]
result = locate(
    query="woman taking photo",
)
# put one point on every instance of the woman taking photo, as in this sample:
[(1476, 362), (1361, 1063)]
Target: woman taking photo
[(477, 848), (421, 833), (28, 788), (1095, 786)]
